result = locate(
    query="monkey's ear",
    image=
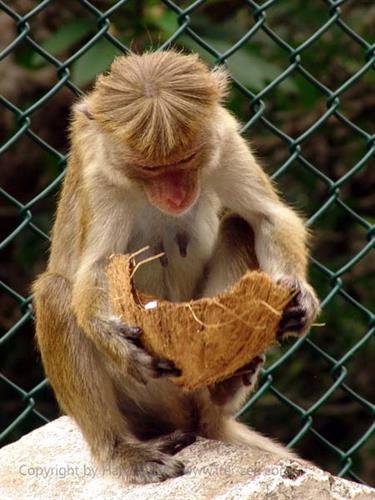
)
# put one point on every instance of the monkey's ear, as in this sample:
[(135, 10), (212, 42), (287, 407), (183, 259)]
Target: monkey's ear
[(221, 77), (82, 107)]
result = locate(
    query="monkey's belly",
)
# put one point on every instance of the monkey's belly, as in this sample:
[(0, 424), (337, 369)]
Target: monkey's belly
[(187, 244), (172, 277)]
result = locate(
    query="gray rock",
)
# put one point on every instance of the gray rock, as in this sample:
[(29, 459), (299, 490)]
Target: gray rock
[(54, 462)]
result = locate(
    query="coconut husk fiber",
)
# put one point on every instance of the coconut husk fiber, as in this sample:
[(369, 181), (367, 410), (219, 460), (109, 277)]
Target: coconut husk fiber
[(208, 339)]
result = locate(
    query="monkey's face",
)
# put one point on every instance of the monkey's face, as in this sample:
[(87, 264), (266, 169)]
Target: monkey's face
[(158, 107), (174, 186)]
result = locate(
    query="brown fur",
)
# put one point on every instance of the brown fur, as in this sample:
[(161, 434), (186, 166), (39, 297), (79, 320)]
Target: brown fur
[(163, 94), (132, 416)]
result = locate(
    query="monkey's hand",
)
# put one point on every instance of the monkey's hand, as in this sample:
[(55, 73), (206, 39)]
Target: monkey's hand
[(301, 311), (129, 354), (222, 392)]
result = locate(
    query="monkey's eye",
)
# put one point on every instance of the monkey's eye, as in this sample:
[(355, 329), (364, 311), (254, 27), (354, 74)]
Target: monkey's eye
[(156, 168)]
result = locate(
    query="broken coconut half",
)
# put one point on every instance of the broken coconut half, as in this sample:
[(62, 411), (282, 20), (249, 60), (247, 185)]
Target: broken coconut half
[(210, 338)]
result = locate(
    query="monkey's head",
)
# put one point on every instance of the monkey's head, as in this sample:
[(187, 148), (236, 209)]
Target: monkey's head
[(159, 108)]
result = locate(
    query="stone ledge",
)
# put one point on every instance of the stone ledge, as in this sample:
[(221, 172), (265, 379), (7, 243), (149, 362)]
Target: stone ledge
[(54, 462)]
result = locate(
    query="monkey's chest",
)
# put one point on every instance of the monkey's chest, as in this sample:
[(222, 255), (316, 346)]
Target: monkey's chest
[(185, 247)]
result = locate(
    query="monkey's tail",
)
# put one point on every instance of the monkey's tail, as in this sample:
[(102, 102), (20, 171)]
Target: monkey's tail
[(237, 433)]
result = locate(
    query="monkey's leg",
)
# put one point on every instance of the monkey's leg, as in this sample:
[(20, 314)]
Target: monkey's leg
[(233, 256), (84, 389)]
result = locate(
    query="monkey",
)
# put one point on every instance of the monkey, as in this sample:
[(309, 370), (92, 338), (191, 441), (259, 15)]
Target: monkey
[(155, 159)]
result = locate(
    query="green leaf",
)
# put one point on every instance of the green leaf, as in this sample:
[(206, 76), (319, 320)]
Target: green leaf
[(64, 38), (94, 61)]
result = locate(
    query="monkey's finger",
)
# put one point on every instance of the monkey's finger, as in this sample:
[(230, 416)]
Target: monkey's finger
[(117, 325), (175, 442), (246, 370), (297, 317), (249, 379), (290, 282), (160, 469), (253, 366), (247, 375), (133, 335), (251, 372), (293, 325), (186, 440), (255, 362), (296, 300), (165, 368), (293, 313), (131, 332)]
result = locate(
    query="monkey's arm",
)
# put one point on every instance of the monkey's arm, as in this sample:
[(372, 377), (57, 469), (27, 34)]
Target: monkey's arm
[(280, 236), (105, 234)]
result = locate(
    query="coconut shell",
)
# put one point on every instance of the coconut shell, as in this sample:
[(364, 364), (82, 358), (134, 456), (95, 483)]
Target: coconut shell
[(210, 338)]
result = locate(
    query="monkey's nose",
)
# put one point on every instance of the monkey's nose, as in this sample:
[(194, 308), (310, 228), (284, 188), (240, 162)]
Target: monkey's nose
[(175, 187), (177, 199)]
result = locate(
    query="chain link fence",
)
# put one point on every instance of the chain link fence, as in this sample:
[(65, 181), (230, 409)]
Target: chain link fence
[(302, 79)]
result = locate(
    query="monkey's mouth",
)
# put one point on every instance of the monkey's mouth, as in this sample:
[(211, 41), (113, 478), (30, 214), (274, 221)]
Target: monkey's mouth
[(173, 192)]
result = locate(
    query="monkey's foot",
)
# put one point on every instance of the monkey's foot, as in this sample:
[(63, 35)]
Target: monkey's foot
[(301, 311), (146, 465), (224, 391), (175, 442)]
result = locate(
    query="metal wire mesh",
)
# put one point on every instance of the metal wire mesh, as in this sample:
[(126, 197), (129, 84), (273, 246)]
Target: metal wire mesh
[(336, 367)]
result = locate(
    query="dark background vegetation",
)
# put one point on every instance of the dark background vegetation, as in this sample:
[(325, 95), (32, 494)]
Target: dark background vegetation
[(293, 106)]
